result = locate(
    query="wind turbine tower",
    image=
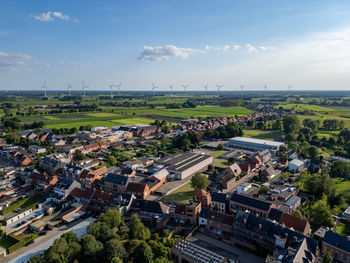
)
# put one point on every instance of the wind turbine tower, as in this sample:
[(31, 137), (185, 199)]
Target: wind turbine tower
[(84, 88), (171, 91), (265, 88), (206, 90), (219, 87), (118, 87), (185, 86), (45, 88), (111, 87), (242, 87), (154, 87), (69, 87)]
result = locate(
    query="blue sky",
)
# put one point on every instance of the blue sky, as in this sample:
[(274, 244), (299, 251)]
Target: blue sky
[(305, 44)]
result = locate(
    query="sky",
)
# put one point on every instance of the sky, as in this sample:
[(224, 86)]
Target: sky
[(305, 44)]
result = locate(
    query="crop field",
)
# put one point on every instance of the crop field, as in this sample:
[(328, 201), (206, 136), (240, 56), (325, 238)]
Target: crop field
[(133, 121), (102, 114)]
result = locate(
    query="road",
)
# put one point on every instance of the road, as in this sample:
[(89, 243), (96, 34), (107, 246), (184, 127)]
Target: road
[(44, 242)]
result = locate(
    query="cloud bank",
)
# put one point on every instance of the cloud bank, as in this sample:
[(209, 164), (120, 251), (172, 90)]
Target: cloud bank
[(51, 16), (166, 52), (13, 61)]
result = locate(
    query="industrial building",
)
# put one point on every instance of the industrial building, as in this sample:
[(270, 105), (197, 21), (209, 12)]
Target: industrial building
[(185, 164), (254, 144)]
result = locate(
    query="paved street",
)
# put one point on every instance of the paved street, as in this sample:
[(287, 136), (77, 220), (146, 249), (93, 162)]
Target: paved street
[(41, 243)]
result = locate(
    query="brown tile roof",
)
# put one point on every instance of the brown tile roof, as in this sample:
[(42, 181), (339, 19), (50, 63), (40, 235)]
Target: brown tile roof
[(136, 188), (297, 223)]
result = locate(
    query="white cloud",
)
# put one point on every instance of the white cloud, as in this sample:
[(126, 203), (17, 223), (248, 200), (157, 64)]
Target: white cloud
[(251, 48), (13, 61), (315, 61), (52, 15), (166, 52), (236, 47), (219, 48)]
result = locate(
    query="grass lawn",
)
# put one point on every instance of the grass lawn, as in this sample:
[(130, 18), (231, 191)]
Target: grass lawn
[(23, 204), (221, 163), (262, 134), (343, 186), (217, 153), (181, 195), (51, 118)]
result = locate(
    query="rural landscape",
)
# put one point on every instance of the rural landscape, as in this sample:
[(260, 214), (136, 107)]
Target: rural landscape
[(174, 131)]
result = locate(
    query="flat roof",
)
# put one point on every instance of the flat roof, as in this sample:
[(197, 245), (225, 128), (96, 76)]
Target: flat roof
[(256, 141), (183, 161)]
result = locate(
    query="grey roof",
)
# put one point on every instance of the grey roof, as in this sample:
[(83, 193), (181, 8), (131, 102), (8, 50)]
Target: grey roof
[(183, 161), (252, 202), (256, 141), (218, 197), (116, 179), (337, 241)]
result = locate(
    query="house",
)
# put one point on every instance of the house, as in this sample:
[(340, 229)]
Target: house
[(255, 162), (296, 165), (218, 202), (149, 210), (295, 155), (114, 183), (346, 213), (140, 190), (283, 162), (269, 172), (64, 187), (338, 246), (255, 206), (203, 197), (216, 223), (187, 213), (44, 182), (244, 187), (87, 177), (269, 237), (265, 156), (13, 217), (245, 167), (35, 149), (293, 203)]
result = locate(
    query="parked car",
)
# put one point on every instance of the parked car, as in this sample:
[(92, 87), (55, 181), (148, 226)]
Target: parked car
[(30, 242)]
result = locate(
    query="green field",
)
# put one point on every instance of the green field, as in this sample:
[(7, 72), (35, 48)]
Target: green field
[(343, 187), (181, 195), (217, 153), (221, 163), (262, 134), (102, 114)]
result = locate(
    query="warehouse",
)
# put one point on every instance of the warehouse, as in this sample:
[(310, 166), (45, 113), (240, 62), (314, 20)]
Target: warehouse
[(186, 164), (254, 144)]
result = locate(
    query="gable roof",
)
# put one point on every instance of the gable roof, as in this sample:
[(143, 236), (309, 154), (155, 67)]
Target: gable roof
[(337, 240), (218, 197), (116, 179), (298, 224), (252, 202), (155, 207), (136, 188)]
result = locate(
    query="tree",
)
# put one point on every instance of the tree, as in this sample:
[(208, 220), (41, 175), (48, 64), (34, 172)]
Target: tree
[(327, 258), (101, 231), (158, 249), (161, 260), (36, 259), (297, 213), (91, 248), (263, 190), (340, 169), (313, 152), (199, 181), (142, 253), (112, 218), (114, 248), (321, 215), (221, 147), (137, 230), (291, 124), (116, 260)]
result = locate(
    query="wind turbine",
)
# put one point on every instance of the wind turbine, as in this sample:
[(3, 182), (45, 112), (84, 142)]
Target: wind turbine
[(171, 90), (45, 88), (69, 88), (84, 88), (219, 87), (185, 86), (111, 86), (265, 88), (154, 87), (206, 90), (289, 89), (242, 87), (118, 87)]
